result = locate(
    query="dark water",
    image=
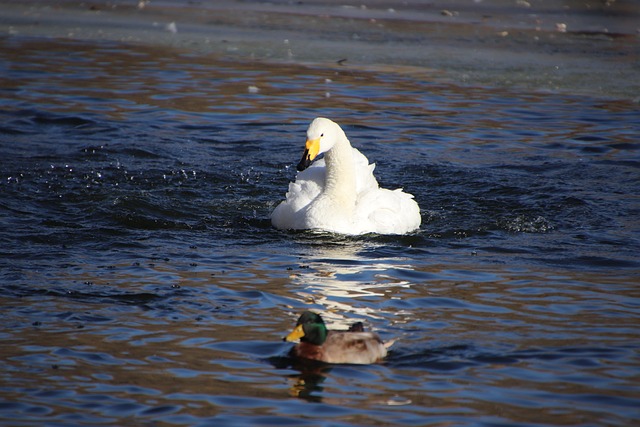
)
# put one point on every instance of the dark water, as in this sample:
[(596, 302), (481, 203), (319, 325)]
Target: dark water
[(142, 282)]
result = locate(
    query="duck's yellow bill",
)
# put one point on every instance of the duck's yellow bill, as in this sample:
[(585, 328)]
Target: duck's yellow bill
[(296, 334)]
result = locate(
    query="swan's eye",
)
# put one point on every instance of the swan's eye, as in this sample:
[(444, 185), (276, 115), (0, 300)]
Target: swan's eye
[(321, 135)]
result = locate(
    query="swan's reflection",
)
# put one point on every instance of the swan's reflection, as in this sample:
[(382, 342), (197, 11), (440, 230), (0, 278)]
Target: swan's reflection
[(338, 275)]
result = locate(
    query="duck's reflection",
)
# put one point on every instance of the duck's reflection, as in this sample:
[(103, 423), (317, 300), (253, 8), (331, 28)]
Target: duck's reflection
[(307, 384)]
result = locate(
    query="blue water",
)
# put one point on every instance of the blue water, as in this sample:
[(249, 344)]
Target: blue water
[(142, 282)]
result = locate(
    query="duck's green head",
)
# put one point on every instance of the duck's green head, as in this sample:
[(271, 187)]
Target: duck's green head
[(310, 328)]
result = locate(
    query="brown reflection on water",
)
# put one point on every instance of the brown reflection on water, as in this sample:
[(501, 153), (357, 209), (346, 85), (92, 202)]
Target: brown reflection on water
[(169, 359), (153, 84), (117, 80)]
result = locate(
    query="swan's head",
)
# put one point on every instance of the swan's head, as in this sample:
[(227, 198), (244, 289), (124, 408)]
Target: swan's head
[(322, 135)]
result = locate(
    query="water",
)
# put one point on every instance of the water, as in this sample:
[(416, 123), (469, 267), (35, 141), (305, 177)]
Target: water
[(142, 282)]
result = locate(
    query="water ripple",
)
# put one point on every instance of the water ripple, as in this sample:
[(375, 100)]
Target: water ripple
[(142, 279)]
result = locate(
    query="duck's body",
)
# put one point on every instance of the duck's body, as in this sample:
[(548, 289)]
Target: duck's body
[(339, 193), (350, 346)]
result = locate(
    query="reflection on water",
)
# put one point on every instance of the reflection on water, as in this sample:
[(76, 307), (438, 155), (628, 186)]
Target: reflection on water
[(337, 277), (141, 278)]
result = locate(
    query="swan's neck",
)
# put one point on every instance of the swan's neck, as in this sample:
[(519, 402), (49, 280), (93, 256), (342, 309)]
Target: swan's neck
[(340, 183)]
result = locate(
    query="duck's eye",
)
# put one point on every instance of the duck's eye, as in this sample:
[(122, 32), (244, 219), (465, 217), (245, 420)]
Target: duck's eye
[(321, 135)]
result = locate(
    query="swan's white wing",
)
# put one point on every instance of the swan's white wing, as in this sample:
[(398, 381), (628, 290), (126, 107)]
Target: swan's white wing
[(388, 212), (379, 210), (307, 186), (364, 172)]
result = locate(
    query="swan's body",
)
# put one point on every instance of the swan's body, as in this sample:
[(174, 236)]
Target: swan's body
[(339, 193)]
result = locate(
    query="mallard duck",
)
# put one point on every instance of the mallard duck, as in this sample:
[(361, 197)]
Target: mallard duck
[(339, 193), (349, 346)]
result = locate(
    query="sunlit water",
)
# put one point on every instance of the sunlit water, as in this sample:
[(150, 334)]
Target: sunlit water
[(142, 281)]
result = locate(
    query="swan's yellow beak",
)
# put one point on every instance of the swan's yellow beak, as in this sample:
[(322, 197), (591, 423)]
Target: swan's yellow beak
[(312, 148), (296, 334)]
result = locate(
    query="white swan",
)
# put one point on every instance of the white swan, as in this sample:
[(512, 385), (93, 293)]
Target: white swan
[(339, 193)]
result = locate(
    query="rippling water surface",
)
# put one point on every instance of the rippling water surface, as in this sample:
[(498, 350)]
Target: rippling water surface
[(142, 282)]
